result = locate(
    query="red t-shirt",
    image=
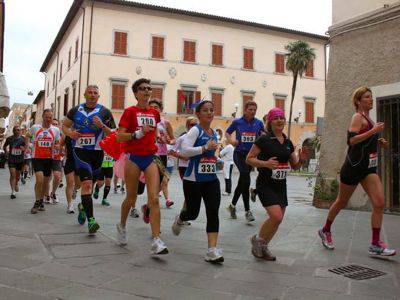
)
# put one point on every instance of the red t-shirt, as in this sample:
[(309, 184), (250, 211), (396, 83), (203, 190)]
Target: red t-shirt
[(133, 119)]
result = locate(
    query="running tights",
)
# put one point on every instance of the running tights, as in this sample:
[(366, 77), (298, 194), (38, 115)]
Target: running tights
[(243, 186)]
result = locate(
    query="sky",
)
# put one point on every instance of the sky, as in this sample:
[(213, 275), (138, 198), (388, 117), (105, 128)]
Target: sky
[(31, 27)]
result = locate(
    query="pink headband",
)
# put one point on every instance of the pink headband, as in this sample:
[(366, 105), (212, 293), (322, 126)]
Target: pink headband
[(275, 112)]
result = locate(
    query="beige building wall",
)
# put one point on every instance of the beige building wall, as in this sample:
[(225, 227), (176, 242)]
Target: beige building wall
[(141, 24)]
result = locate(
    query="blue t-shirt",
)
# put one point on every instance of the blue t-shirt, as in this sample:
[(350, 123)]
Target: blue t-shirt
[(246, 132)]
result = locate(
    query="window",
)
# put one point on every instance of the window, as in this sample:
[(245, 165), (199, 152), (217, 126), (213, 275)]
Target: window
[(66, 103), (76, 48), (69, 57), (248, 59), (118, 96), (61, 65), (185, 101), (54, 80), (217, 55), (58, 107), (158, 47), (189, 51), (48, 87), (246, 98), (216, 98), (120, 43), (309, 118), (280, 103), (73, 95), (157, 92), (310, 69), (279, 63)]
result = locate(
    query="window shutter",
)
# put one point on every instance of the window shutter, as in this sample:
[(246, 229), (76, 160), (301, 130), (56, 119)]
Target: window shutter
[(217, 55), (309, 112), (157, 93), (248, 59), (69, 57), (180, 102), (66, 96), (246, 98), (279, 63), (61, 70), (198, 96), (280, 103), (217, 100), (158, 47), (118, 96), (120, 43), (310, 68), (76, 48), (189, 51)]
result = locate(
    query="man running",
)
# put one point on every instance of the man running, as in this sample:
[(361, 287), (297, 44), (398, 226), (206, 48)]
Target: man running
[(16, 148), (45, 138), (86, 124), (104, 177)]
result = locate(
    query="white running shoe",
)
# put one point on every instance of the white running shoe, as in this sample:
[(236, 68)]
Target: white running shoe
[(380, 250), (249, 216), (177, 225), (214, 255), (54, 199), (121, 235), (71, 209), (158, 246)]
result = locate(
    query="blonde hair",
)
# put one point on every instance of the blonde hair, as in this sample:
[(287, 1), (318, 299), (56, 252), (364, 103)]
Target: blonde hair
[(358, 93), (189, 120)]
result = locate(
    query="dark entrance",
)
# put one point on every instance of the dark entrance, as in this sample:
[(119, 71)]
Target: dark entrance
[(389, 166)]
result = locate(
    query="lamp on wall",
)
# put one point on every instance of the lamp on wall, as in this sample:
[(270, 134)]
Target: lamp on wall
[(236, 110), (298, 116)]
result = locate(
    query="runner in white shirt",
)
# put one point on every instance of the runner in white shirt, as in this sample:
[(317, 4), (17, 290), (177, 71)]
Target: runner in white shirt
[(226, 155)]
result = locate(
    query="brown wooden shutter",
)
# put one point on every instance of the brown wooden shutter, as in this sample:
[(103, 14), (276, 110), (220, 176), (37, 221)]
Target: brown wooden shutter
[(76, 48), (309, 112), (69, 57), (61, 70), (120, 43), (247, 98), (310, 69), (217, 100), (280, 103), (279, 63), (158, 47), (189, 51), (157, 93), (198, 96), (179, 101), (248, 59), (217, 51), (66, 96), (118, 96)]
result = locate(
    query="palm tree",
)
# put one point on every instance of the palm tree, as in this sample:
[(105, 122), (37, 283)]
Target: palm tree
[(298, 56)]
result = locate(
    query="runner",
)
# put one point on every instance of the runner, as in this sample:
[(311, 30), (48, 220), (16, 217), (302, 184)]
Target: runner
[(16, 147), (27, 170), (73, 181), (105, 175), (247, 128), (137, 130), (200, 180), (273, 154), (45, 138), (360, 166), (226, 155), (86, 124), (57, 166), (165, 137)]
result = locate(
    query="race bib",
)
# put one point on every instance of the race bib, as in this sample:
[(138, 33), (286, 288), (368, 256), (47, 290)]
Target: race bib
[(373, 160), (16, 151), (248, 137), (45, 144), (86, 140), (207, 165), (146, 120), (281, 172), (108, 158)]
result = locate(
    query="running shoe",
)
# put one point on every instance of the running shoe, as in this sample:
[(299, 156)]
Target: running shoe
[(96, 192), (253, 194), (169, 203), (35, 207), (23, 181), (41, 205), (146, 213), (122, 190), (225, 194), (93, 226), (115, 190), (177, 225), (214, 255), (54, 199), (232, 210), (17, 188), (81, 214), (70, 209), (249, 216), (13, 195), (158, 246), (121, 235), (380, 250), (104, 202), (267, 255), (134, 213), (326, 238), (259, 249), (61, 185), (47, 199)]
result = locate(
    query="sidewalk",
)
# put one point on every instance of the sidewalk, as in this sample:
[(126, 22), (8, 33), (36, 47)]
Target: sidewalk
[(49, 256)]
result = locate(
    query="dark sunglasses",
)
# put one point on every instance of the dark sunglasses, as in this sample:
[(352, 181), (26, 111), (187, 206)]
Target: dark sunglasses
[(144, 88)]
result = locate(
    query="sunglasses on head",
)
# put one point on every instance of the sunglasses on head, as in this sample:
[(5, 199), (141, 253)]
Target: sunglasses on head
[(144, 88)]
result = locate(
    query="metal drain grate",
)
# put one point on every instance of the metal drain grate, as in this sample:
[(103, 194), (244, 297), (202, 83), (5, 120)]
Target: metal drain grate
[(357, 272)]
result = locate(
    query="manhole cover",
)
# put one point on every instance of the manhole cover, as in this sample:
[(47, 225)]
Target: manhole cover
[(357, 272)]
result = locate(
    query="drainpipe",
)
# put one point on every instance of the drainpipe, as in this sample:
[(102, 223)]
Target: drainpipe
[(90, 43), (80, 63)]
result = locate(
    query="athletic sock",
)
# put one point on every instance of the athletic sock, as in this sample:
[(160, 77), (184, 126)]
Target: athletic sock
[(376, 236), (106, 191), (327, 227), (87, 203)]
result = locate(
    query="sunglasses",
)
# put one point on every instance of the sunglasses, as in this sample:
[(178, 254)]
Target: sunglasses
[(144, 88)]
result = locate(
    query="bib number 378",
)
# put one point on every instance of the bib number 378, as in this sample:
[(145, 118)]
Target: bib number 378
[(281, 172), (207, 165)]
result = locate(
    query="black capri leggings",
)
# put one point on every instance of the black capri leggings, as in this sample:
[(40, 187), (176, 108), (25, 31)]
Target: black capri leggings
[(211, 194), (243, 184)]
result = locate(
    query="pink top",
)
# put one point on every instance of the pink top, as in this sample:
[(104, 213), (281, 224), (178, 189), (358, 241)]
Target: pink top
[(162, 133)]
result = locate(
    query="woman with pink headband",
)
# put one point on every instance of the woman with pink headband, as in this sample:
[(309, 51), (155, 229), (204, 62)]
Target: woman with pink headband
[(274, 156)]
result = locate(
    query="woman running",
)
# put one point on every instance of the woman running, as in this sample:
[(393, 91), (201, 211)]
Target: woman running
[(273, 154), (360, 166), (201, 181), (137, 132), (226, 155)]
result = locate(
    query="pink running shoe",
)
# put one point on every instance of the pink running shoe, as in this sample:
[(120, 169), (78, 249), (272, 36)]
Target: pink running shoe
[(146, 213), (326, 238), (169, 203)]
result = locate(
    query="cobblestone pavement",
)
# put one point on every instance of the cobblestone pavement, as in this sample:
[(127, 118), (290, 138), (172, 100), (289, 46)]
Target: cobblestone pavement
[(49, 256)]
